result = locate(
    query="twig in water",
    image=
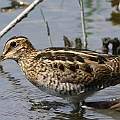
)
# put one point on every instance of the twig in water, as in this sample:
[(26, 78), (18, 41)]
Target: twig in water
[(19, 17), (83, 23), (48, 30)]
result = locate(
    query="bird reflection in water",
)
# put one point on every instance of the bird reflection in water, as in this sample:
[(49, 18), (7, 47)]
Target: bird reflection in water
[(4, 74)]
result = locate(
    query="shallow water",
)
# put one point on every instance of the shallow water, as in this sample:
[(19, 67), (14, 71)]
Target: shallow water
[(63, 17)]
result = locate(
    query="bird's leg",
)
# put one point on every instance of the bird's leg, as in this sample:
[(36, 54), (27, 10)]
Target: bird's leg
[(77, 107)]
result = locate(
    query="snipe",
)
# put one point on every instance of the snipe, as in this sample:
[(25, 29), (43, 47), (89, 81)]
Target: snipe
[(65, 72)]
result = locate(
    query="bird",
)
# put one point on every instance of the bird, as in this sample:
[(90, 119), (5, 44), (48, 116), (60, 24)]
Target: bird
[(70, 73)]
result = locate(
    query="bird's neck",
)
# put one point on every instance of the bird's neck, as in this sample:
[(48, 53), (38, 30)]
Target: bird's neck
[(27, 63)]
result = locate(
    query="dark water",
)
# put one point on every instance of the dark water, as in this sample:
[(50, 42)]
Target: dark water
[(63, 17)]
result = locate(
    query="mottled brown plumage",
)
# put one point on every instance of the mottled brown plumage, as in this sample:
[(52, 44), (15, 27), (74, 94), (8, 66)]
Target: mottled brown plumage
[(64, 72)]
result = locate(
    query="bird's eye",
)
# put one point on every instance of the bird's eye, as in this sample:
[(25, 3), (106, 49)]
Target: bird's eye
[(13, 44)]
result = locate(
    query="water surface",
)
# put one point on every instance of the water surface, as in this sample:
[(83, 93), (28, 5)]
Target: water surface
[(63, 17)]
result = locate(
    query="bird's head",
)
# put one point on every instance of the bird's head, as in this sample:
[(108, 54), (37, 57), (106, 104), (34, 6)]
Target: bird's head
[(16, 47)]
